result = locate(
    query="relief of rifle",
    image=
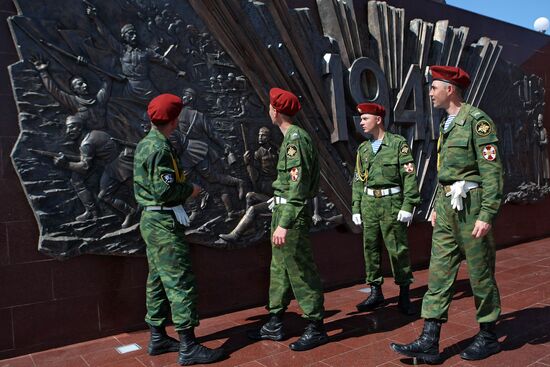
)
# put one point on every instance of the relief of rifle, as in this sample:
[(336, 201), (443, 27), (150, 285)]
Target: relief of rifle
[(70, 157), (78, 59), (124, 142)]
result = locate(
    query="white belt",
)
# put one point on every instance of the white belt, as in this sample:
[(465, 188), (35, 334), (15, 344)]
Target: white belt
[(179, 212), (277, 200), (382, 192), (157, 208)]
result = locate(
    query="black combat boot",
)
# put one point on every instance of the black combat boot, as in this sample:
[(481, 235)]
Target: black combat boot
[(404, 303), (192, 352), (160, 342), (484, 344), (314, 336), (426, 347), (272, 330), (375, 299)]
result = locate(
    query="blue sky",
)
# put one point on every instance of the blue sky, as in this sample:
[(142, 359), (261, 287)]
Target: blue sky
[(522, 13)]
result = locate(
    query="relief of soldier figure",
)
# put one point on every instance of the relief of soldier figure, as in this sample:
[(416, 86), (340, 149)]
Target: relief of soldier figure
[(92, 76)]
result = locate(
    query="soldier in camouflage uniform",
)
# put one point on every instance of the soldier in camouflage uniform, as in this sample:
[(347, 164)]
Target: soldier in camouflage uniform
[(467, 200), (292, 265), (161, 189), (384, 195)]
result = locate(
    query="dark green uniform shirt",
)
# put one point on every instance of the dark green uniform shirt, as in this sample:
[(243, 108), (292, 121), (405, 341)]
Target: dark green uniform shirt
[(158, 177), (297, 174), (391, 166), (468, 151)]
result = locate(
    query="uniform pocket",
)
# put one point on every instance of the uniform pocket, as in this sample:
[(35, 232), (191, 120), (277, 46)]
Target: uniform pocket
[(390, 168), (457, 152)]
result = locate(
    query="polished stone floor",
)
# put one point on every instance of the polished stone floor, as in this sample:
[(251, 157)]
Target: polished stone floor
[(358, 339)]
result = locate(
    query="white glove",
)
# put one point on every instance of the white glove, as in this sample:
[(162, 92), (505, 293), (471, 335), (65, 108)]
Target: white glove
[(181, 215), (271, 204), (356, 218), (458, 192), (404, 216)]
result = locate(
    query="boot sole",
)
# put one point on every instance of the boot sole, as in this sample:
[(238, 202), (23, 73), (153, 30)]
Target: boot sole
[(321, 342), (189, 362), (468, 358), (428, 358), (371, 307)]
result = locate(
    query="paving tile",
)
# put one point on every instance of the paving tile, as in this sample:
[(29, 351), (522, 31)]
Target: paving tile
[(52, 356), (289, 358), (24, 361)]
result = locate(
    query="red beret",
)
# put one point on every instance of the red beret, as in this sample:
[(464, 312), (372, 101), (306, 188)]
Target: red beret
[(371, 108), (451, 74), (284, 102), (164, 108)]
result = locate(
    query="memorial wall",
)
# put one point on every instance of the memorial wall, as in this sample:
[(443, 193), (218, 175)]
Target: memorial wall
[(81, 74)]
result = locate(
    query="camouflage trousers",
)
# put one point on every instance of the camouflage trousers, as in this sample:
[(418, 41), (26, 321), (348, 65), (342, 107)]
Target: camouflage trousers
[(171, 283), (379, 216), (452, 242), (293, 270)]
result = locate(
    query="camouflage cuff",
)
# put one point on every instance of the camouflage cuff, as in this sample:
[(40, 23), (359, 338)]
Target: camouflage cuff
[(485, 216), (287, 217), (406, 207)]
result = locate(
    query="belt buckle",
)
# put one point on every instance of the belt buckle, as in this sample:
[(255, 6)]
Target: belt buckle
[(377, 193)]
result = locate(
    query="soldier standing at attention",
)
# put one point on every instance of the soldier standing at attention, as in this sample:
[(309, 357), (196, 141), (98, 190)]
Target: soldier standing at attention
[(468, 198), (384, 195), (292, 265), (161, 189)]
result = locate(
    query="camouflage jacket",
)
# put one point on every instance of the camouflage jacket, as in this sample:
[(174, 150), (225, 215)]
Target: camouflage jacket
[(158, 177), (297, 174), (391, 166), (468, 150)]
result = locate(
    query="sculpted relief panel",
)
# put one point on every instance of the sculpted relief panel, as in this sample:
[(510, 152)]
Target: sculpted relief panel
[(88, 69)]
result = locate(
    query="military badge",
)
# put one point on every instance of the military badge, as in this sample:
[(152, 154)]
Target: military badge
[(294, 174), (168, 178), (291, 151), (409, 167), (489, 152), (483, 128), (405, 149)]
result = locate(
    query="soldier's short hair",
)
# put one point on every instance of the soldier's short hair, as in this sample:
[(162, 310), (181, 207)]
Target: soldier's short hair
[(74, 119), (76, 77), (127, 28), (264, 130)]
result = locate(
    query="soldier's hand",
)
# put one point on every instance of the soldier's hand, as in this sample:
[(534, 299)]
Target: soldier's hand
[(81, 60), (356, 218), (246, 157), (433, 218), (91, 12), (279, 236), (480, 229), (196, 191), (60, 160), (38, 63), (316, 219)]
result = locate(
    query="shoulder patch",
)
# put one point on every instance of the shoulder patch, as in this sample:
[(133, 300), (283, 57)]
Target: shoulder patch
[(483, 128), (294, 174), (489, 152), (291, 151), (405, 149), (167, 178)]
